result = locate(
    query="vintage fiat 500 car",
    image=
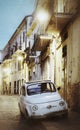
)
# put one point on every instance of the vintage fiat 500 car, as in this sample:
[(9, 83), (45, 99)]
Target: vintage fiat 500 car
[(41, 99)]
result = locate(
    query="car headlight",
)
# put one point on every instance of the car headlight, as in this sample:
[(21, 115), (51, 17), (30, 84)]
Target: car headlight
[(35, 107), (61, 103)]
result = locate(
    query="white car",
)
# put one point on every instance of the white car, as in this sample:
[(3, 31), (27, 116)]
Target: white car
[(41, 99)]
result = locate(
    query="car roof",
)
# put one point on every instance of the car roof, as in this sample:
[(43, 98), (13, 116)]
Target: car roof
[(37, 81)]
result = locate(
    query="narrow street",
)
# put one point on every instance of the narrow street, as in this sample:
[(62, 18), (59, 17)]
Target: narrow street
[(10, 118)]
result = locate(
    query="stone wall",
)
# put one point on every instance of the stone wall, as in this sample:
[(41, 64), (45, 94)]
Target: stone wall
[(74, 96)]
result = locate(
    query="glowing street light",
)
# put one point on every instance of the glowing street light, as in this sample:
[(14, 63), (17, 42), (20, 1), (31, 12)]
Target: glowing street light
[(42, 16), (7, 70), (46, 36), (20, 58)]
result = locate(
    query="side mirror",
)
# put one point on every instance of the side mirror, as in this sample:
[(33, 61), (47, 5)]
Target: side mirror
[(58, 88)]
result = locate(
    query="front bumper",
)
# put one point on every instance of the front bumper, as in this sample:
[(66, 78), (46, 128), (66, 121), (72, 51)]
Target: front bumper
[(52, 114)]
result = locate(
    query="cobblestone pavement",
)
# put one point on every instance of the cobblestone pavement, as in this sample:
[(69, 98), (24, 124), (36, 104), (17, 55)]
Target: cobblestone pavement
[(10, 118)]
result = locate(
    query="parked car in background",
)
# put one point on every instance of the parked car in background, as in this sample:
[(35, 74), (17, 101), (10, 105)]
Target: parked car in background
[(41, 99)]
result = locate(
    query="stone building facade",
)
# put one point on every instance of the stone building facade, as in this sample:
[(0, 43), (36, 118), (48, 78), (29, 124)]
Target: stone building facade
[(14, 67), (59, 56), (49, 50)]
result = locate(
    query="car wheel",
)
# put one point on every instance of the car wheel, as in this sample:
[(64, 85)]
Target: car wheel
[(65, 115), (20, 110), (26, 114)]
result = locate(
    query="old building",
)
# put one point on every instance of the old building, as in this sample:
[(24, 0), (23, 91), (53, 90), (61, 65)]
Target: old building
[(46, 46), (59, 58), (14, 67)]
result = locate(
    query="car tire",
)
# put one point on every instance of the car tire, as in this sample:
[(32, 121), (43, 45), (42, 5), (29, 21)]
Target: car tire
[(26, 114), (20, 110), (65, 115)]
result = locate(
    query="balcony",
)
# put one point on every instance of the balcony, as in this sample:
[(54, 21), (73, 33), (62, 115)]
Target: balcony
[(41, 42), (61, 13), (30, 55), (64, 12)]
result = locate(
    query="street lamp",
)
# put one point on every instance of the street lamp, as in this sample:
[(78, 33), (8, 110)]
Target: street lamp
[(42, 16), (46, 37), (7, 70), (20, 58)]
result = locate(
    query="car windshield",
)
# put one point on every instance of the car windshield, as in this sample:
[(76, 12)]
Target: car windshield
[(39, 88)]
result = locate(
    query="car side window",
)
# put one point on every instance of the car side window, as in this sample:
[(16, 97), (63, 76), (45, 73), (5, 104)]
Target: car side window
[(23, 90), (52, 87)]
